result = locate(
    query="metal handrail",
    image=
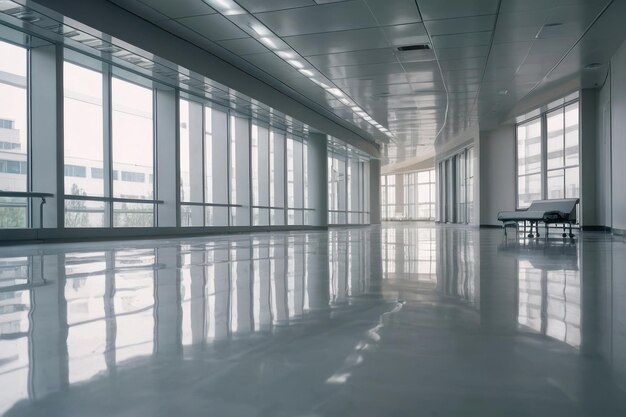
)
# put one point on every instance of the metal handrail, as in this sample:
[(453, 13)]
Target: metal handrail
[(30, 194), (194, 203), (112, 199)]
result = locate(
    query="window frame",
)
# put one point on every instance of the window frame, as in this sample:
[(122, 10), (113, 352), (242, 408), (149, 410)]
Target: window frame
[(542, 115)]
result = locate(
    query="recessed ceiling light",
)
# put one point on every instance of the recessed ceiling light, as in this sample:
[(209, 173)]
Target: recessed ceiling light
[(503, 92), (335, 92), (285, 55), (226, 7), (268, 42), (295, 63), (306, 72)]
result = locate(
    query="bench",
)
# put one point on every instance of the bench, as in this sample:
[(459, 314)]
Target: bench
[(561, 211)]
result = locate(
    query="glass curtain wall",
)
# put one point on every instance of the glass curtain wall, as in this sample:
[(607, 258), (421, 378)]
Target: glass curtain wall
[(348, 185), (548, 152), (14, 163), (456, 187), (265, 166), (203, 177), (232, 171), (297, 182), (416, 196), (108, 173)]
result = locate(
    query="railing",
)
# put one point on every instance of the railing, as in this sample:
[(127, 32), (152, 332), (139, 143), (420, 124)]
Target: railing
[(30, 194), (191, 203), (112, 199)]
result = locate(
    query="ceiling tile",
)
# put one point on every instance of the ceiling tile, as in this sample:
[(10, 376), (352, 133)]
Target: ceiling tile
[(465, 52), (317, 19), (448, 9), (180, 8), (403, 35), (394, 12), (334, 42), (243, 46), (358, 71), (460, 25), (257, 6), (215, 27), (366, 56), (462, 40)]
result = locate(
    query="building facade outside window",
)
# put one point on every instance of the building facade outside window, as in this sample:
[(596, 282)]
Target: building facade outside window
[(14, 211)]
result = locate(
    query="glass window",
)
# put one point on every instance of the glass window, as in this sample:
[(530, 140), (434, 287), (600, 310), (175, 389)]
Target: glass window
[(277, 177), (561, 159), (529, 162), (13, 134), (83, 145), (133, 151), (216, 166), (239, 170), (191, 163), (260, 175)]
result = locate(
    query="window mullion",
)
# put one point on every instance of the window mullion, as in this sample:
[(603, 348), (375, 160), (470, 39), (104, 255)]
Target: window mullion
[(107, 114)]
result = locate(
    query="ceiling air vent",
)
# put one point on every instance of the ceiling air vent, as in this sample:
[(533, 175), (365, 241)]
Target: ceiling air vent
[(418, 47)]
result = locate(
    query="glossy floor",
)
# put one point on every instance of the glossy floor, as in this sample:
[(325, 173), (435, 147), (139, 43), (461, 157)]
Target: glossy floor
[(403, 320)]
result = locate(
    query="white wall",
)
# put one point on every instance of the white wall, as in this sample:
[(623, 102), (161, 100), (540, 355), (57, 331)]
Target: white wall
[(497, 173)]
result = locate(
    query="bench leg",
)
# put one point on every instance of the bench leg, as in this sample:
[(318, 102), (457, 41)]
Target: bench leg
[(571, 235), (530, 234)]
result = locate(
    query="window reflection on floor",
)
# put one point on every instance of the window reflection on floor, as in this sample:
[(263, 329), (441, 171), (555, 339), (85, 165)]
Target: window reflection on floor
[(14, 327), (549, 301), (410, 254), (85, 290)]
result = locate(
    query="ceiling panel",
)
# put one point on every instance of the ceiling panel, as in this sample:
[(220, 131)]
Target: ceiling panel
[(394, 12), (448, 9), (315, 19), (403, 35), (243, 46), (462, 39), (460, 25), (180, 8), (364, 57), (257, 6), (334, 42), (215, 27)]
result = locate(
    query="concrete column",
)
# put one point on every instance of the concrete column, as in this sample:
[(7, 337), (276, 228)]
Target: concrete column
[(375, 191), (318, 178), (46, 132), (167, 162), (588, 171)]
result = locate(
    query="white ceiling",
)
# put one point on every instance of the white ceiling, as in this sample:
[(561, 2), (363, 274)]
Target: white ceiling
[(486, 55)]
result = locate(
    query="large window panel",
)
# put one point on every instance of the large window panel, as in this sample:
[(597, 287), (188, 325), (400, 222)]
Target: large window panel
[(295, 184), (529, 162), (549, 156), (239, 170), (84, 145), (191, 164), (13, 134), (133, 153), (216, 166), (277, 177), (260, 175)]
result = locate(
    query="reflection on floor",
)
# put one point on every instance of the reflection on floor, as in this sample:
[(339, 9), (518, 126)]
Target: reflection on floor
[(407, 319)]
